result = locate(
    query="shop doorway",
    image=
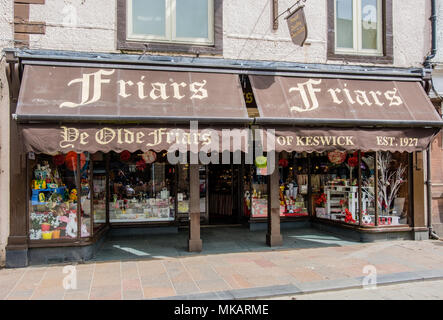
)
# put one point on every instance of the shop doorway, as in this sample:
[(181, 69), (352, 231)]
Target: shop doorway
[(223, 194)]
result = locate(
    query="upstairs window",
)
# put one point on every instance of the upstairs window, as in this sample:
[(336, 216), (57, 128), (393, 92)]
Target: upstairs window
[(358, 27), (171, 21)]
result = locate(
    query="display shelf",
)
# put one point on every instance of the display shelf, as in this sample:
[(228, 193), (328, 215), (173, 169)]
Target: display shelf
[(140, 220)]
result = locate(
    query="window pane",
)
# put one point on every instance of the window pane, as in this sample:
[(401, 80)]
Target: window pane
[(369, 24), (141, 187), (393, 188), (99, 194), (192, 18), (345, 24), (148, 17), (85, 197), (53, 203)]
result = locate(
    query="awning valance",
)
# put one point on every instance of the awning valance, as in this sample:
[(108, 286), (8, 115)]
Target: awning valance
[(319, 114), (51, 139), (321, 139), (54, 93)]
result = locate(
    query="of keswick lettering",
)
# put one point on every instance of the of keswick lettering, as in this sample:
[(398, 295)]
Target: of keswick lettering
[(359, 98), (315, 141), (160, 91)]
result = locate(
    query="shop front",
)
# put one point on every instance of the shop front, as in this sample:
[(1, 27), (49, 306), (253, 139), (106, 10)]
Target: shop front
[(118, 148), (349, 153), (148, 147)]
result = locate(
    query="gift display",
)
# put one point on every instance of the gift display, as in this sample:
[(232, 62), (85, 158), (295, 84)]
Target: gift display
[(142, 192), (54, 199)]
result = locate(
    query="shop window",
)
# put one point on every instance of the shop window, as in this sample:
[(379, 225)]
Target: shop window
[(360, 29), (99, 189), (141, 187), (54, 196), (258, 194), (294, 184), (170, 25), (183, 191), (334, 184), (84, 195)]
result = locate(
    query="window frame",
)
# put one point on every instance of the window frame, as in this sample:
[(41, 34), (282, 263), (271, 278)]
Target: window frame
[(170, 26), (383, 56), (144, 44)]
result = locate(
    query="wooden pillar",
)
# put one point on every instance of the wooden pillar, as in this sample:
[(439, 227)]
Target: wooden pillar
[(273, 237), (17, 247), (195, 243)]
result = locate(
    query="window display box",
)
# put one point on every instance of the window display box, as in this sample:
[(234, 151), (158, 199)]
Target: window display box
[(259, 208), (322, 213)]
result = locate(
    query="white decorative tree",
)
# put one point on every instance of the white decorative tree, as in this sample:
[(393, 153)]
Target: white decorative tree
[(389, 181)]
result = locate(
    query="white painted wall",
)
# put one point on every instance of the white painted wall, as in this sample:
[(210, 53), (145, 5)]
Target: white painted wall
[(439, 57), (247, 29), (6, 40)]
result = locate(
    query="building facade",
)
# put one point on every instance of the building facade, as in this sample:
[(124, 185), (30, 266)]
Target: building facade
[(359, 55)]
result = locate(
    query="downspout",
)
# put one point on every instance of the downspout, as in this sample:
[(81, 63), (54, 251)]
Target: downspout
[(432, 234), (427, 64), (433, 19)]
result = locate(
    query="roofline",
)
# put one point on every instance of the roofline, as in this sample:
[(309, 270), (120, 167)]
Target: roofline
[(212, 64)]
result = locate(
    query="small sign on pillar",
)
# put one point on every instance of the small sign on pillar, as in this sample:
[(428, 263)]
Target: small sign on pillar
[(297, 26)]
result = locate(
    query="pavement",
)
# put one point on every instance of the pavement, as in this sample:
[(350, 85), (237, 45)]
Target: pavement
[(235, 264), (424, 290)]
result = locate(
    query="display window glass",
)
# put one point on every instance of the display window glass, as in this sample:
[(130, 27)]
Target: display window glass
[(141, 187), (258, 194), (183, 190), (294, 184), (335, 185), (393, 189), (335, 192), (85, 196), (99, 189), (53, 204)]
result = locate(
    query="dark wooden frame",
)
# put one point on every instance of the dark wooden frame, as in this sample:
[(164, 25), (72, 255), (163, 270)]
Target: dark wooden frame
[(388, 39), (130, 45)]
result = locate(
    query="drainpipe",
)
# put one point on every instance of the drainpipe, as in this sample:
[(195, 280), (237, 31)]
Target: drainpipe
[(433, 19), (432, 234), (427, 64)]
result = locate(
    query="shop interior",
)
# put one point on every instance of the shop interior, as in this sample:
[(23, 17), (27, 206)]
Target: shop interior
[(76, 195)]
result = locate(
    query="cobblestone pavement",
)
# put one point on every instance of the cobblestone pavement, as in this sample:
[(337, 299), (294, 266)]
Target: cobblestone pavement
[(237, 274), (423, 290)]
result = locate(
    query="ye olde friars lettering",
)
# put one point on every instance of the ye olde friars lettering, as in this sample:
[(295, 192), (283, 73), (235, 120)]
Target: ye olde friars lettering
[(71, 136), (359, 98), (160, 91)]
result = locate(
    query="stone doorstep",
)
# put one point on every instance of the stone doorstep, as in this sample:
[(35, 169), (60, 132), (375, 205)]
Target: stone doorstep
[(311, 287)]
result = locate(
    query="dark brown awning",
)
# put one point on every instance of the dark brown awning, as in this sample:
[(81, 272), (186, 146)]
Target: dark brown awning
[(52, 93), (320, 101), (51, 139), (372, 115)]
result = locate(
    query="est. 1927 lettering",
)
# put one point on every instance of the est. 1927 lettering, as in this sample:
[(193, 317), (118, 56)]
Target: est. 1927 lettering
[(394, 142)]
